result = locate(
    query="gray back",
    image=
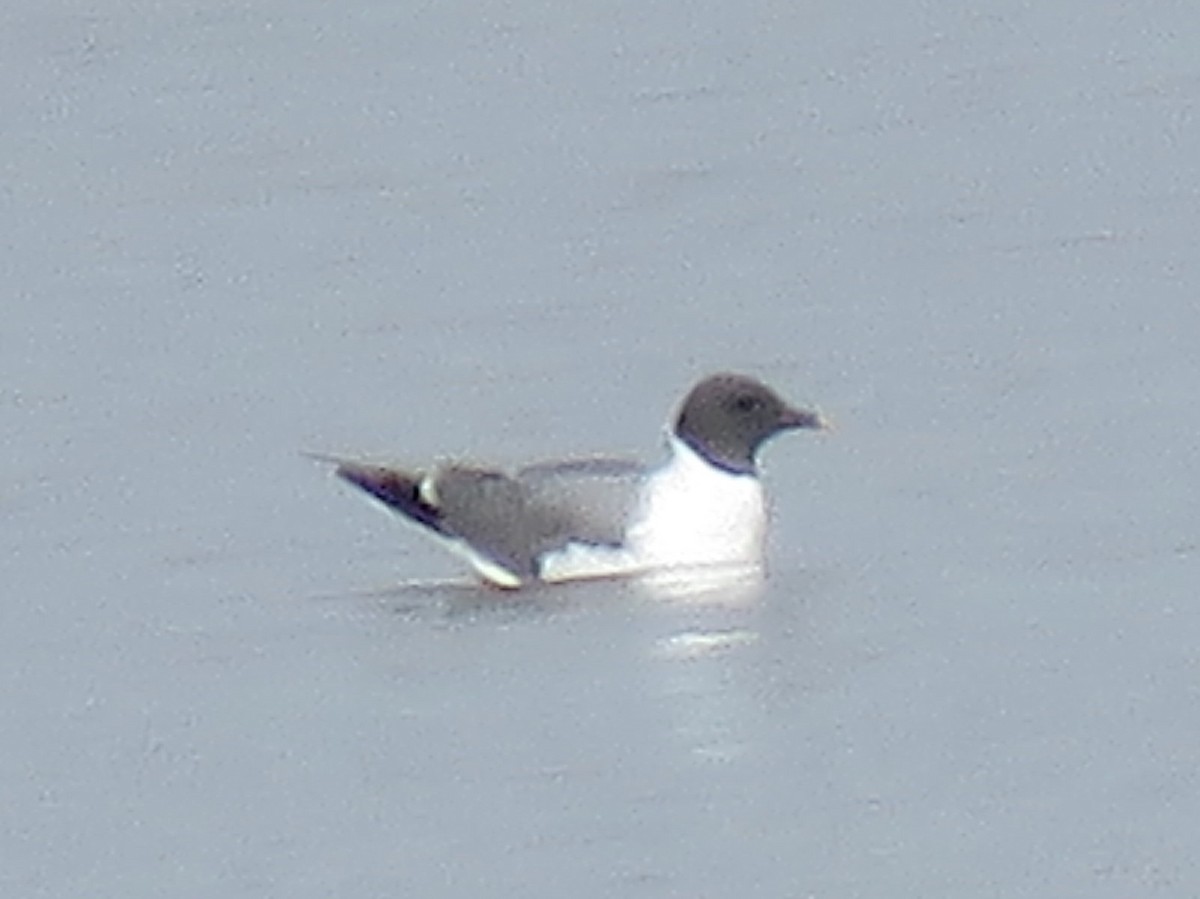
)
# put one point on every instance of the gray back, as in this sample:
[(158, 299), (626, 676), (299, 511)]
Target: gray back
[(517, 518), (590, 499)]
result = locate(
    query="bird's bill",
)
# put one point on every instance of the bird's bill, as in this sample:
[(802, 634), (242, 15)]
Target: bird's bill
[(804, 418)]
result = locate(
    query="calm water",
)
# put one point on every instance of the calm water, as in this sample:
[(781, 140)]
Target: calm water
[(238, 234)]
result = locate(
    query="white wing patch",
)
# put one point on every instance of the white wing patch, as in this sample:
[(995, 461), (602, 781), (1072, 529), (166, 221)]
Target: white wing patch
[(488, 569), (427, 489)]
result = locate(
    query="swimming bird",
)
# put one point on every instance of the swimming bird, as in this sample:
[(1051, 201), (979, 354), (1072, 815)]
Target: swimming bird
[(554, 521)]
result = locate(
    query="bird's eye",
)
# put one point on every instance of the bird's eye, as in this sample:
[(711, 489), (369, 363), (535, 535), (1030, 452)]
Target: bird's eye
[(745, 403)]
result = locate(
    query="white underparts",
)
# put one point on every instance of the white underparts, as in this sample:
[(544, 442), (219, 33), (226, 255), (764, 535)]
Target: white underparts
[(696, 514), (581, 560), (691, 515)]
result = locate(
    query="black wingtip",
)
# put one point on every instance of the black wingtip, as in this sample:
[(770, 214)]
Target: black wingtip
[(397, 490)]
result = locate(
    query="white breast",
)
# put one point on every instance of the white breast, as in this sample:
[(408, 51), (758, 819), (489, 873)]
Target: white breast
[(696, 514)]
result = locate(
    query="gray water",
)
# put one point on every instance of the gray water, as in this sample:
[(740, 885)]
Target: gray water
[(235, 232)]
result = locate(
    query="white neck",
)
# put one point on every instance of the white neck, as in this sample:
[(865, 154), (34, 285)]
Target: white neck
[(696, 514)]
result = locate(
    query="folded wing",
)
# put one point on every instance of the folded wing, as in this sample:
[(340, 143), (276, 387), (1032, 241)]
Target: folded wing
[(512, 521)]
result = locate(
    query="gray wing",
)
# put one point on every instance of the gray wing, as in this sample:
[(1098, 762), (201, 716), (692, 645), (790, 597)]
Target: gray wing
[(513, 519), (516, 519), (585, 500)]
